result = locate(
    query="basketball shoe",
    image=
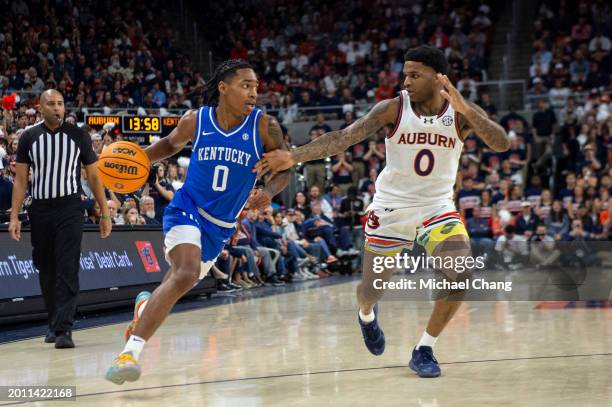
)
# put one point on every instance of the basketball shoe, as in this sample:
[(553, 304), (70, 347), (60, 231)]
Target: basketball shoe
[(373, 336), (424, 362), (124, 368)]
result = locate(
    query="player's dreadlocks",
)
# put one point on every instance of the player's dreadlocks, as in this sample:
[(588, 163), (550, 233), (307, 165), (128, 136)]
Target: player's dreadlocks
[(225, 70)]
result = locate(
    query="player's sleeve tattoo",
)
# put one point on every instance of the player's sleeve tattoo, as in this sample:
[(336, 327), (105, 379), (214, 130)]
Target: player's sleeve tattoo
[(335, 142), (490, 132)]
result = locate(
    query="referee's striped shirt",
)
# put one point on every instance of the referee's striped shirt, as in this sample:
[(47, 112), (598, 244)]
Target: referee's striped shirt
[(55, 157)]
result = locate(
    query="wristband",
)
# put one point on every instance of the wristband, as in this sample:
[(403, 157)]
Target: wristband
[(102, 217)]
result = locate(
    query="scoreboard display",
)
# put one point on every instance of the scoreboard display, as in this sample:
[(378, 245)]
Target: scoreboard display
[(138, 129)]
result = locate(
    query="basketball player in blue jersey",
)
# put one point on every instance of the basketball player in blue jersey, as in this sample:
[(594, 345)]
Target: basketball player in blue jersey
[(413, 201), (229, 136)]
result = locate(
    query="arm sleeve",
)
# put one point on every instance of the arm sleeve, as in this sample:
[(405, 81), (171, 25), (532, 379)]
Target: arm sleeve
[(23, 149), (88, 155)]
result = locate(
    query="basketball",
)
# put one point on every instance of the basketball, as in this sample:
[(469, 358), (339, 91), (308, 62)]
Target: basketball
[(123, 167)]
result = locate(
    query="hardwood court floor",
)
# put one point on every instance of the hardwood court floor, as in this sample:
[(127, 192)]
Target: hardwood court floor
[(305, 349)]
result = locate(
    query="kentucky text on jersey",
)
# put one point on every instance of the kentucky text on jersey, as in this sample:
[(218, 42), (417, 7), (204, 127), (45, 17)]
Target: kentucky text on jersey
[(432, 139), (219, 178), (224, 154)]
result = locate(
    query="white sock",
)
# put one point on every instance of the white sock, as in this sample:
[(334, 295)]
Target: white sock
[(427, 340), (142, 307), (135, 345), (366, 318)]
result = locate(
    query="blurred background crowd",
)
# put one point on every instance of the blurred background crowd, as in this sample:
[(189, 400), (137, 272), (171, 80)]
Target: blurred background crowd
[(326, 62)]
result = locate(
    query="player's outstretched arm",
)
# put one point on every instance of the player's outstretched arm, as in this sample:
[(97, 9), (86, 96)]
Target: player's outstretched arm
[(476, 119), (272, 138), (334, 142), (176, 140)]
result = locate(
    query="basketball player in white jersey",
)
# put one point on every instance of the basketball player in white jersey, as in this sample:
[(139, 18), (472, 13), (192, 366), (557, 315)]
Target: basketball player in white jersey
[(414, 192)]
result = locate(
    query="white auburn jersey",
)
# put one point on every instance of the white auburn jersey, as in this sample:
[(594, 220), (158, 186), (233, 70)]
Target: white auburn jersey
[(422, 154)]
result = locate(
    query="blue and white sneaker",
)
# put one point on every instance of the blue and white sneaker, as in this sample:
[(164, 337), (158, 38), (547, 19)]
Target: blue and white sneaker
[(373, 336), (424, 362)]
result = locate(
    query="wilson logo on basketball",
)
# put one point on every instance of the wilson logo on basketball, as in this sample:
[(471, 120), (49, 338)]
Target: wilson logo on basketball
[(123, 150), (121, 168)]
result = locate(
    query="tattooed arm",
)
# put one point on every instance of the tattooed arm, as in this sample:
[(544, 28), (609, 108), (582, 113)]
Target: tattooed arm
[(333, 142), (272, 139), (477, 121)]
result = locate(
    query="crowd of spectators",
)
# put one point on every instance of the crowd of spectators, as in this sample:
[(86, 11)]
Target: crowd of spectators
[(571, 44), (331, 54), (316, 54), (105, 55), (552, 184)]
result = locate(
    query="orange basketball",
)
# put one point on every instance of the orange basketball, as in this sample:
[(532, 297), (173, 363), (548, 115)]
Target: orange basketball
[(123, 167)]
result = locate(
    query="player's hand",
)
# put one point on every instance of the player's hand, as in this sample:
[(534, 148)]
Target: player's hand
[(15, 229), (273, 162), (453, 96), (106, 225), (259, 199)]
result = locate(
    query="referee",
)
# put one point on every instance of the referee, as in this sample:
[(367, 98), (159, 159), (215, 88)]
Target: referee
[(55, 151)]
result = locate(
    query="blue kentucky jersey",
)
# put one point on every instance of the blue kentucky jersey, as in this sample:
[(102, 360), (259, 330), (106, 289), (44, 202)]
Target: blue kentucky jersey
[(219, 177)]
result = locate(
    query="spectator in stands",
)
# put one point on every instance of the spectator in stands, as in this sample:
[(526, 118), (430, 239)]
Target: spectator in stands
[(6, 191), (321, 127), (300, 202), (538, 91), (334, 198), (481, 234), (341, 171), (318, 227), (288, 112), (544, 205), (315, 197), (487, 208), (514, 167), (315, 170), (247, 273), (558, 221), (512, 248), (352, 209), (512, 119), (534, 191), (293, 231), (113, 210), (543, 121), (132, 217), (93, 214), (160, 189), (273, 241), (527, 221), (468, 198), (487, 105), (559, 93), (175, 177), (250, 239), (514, 202), (579, 69), (543, 251), (374, 156), (147, 211)]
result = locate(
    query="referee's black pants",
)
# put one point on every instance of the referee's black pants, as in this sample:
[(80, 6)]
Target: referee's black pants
[(57, 229)]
